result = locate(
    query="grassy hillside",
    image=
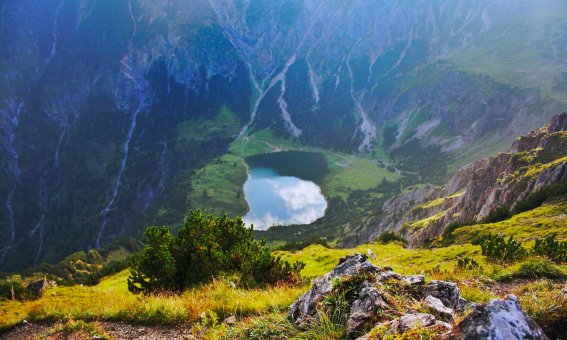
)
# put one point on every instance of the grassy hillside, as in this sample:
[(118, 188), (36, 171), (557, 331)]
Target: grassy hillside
[(261, 313)]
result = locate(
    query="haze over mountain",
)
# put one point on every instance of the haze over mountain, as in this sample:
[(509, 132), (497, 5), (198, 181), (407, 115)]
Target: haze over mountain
[(107, 108)]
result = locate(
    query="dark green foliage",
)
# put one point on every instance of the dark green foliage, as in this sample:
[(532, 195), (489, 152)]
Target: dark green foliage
[(428, 161), (551, 248), (535, 269), (206, 246), (299, 245), (497, 249), (467, 263), (539, 197), (498, 214), (389, 135), (9, 289), (388, 236), (88, 268)]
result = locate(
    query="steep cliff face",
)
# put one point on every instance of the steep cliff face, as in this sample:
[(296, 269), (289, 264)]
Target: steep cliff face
[(102, 103), (535, 162)]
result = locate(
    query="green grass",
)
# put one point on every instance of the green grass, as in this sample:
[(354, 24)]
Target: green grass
[(224, 124), (218, 187), (349, 173), (261, 313), (111, 301), (542, 221)]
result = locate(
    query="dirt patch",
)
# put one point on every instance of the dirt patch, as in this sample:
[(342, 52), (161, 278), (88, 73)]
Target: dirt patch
[(113, 330)]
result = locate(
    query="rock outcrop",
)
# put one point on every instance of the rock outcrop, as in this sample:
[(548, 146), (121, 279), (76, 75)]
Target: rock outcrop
[(498, 320), (305, 308), (535, 161), (382, 302), (371, 295)]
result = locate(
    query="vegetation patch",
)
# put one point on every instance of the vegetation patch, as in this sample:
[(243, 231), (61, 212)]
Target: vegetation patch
[(206, 247)]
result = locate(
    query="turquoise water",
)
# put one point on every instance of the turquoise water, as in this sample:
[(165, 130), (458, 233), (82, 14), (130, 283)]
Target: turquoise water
[(281, 200)]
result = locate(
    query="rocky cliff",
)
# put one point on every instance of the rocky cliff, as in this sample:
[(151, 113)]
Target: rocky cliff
[(488, 188)]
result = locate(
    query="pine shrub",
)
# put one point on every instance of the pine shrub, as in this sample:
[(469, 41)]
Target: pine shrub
[(206, 247)]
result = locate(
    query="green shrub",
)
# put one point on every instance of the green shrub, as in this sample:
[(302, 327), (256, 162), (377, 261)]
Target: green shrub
[(206, 246), (14, 289), (497, 215), (497, 249), (300, 245), (388, 236), (533, 269), (551, 248)]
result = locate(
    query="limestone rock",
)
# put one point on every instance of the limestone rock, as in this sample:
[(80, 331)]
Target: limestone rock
[(304, 308), (498, 320), (437, 307), (448, 292), (411, 321), (416, 280), (230, 321)]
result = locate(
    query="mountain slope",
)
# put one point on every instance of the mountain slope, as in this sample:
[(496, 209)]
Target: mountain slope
[(103, 125), (489, 190)]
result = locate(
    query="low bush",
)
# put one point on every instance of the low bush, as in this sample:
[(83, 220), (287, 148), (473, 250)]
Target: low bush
[(388, 236), (551, 248), (206, 247), (497, 215), (300, 245), (533, 269), (497, 249)]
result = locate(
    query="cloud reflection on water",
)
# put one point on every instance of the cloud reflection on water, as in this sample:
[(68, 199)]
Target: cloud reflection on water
[(279, 200)]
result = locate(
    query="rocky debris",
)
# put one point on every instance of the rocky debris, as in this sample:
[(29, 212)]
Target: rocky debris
[(406, 323), (498, 320), (448, 292), (411, 321), (364, 308), (414, 280), (375, 297), (382, 302), (437, 307), (230, 321), (112, 330), (305, 308)]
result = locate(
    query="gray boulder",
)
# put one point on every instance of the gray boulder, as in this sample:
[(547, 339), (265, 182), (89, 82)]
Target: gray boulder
[(437, 307), (498, 320), (305, 308), (415, 280), (448, 292), (411, 321)]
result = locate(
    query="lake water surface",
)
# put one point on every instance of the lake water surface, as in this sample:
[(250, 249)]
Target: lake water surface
[(281, 200)]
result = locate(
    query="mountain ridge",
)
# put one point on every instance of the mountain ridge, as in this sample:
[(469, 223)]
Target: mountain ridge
[(489, 188)]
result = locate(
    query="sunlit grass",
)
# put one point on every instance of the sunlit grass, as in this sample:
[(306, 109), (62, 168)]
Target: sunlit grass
[(111, 301), (542, 221)]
